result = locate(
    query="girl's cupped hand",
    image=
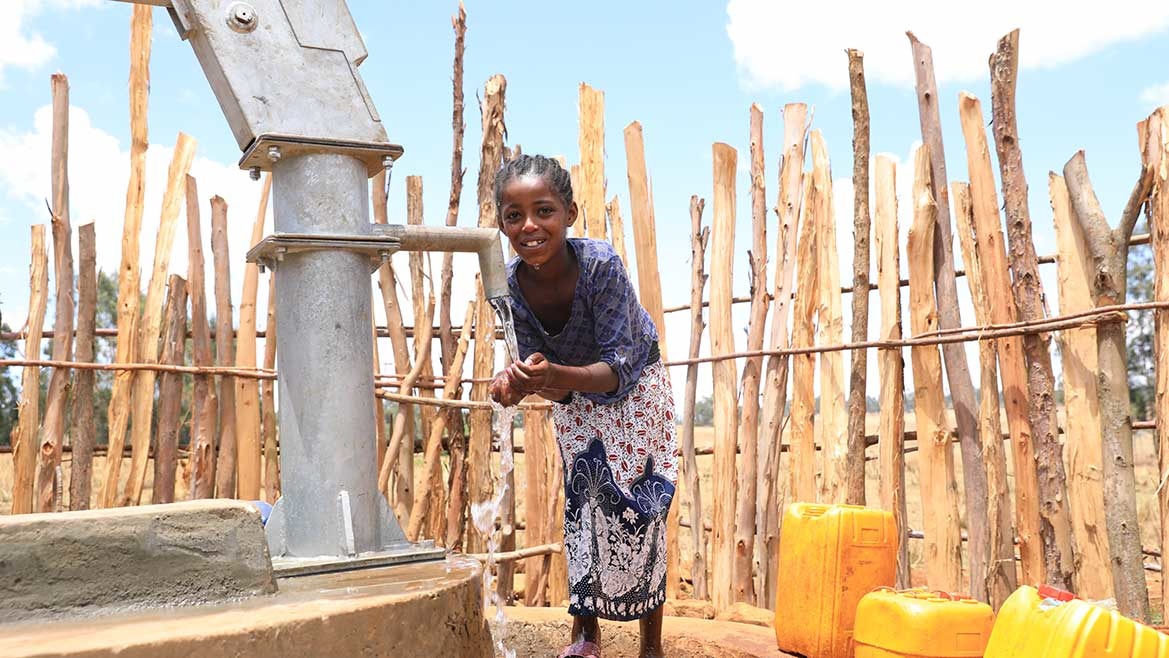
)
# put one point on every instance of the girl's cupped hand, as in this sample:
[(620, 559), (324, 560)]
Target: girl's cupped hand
[(531, 375), (502, 391)]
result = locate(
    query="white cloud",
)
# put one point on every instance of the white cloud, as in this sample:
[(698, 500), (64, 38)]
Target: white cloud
[(98, 174), (1156, 94), (787, 45), (19, 46)]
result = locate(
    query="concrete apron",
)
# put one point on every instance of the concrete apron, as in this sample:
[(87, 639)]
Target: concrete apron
[(420, 609), (60, 568)]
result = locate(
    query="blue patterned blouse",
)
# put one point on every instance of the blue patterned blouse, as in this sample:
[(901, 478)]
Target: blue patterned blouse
[(606, 323)]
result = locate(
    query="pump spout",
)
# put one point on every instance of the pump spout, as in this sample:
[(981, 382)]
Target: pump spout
[(482, 241)]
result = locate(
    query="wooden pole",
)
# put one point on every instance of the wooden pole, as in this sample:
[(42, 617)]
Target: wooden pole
[(434, 441), (398, 447), (379, 406), (414, 216), (247, 397), (726, 399), (522, 554), (84, 433), (649, 292), (857, 392), (151, 327), (205, 400), (268, 401), (479, 485), (1000, 577), (748, 440), (456, 437), (403, 498), (24, 449), (436, 523), (1158, 158), (699, 237), (1109, 251), (939, 491), (645, 237), (118, 413), (458, 128), (1055, 528), (224, 351), (803, 404), (170, 393), (617, 229), (833, 426), (957, 370), (1012, 366), (539, 451), (578, 227), (558, 569), (1081, 403), (592, 160), (768, 514), (53, 432), (890, 365)]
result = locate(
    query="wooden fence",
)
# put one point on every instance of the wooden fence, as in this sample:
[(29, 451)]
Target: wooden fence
[(1067, 505)]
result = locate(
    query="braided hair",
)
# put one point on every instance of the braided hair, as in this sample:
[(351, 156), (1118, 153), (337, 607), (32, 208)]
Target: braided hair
[(535, 165)]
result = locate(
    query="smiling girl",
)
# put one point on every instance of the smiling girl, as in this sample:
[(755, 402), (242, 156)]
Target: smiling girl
[(587, 344)]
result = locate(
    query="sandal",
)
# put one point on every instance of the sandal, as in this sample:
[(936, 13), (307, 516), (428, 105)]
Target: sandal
[(582, 649)]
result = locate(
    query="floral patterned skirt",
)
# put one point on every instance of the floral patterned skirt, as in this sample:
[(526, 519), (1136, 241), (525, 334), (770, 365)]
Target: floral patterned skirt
[(620, 473)]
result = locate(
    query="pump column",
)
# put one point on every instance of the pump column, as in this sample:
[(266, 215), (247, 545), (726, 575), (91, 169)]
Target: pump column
[(330, 503)]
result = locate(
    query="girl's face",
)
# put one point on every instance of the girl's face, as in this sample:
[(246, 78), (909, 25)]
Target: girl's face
[(534, 219)]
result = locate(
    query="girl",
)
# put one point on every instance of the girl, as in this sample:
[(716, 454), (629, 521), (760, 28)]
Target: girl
[(588, 345)]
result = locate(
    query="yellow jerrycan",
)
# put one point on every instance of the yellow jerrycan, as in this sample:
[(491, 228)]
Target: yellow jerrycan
[(829, 557), (1052, 624), (920, 623)]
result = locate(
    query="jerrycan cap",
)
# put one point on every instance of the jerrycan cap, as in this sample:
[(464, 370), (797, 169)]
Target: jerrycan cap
[(1049, 592)]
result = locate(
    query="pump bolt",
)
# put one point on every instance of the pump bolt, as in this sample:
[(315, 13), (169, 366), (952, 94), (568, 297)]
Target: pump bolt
[(241, 17), (254, 172), (387, 162), (273, 153)]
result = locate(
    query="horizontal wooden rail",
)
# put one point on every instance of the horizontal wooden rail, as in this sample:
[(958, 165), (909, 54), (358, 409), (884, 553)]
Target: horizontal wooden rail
[(1137, 240)]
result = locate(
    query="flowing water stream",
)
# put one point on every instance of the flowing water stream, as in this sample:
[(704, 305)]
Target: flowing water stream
[(484, 514)]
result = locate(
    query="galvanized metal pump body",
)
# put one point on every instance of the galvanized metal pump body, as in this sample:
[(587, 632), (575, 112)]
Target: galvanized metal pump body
[(285, 75)]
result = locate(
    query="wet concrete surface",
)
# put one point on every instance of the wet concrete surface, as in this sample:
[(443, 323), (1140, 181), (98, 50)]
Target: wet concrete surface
[(420, 609)]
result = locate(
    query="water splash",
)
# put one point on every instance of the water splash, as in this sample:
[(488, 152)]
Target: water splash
[(483, 515)]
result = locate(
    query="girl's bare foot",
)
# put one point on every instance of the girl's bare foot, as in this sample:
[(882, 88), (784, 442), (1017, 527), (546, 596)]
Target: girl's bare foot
[(651, 634), (585, 632)]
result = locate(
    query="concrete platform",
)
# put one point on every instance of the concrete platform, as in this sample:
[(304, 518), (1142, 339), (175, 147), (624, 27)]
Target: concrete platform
[(98, 561), (541, 632), (423, 609)]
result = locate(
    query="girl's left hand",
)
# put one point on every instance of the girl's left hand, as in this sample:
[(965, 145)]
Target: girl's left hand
[(531, 375), (503, 392)]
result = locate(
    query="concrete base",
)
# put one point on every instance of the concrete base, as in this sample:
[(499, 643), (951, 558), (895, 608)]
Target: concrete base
[(97, 561), (421, 609), (540, 632)]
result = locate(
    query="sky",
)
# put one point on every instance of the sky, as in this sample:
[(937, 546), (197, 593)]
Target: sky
[(688, 71)]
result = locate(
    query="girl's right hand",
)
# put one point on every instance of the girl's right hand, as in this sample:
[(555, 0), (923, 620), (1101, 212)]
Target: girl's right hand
[(502, 392)]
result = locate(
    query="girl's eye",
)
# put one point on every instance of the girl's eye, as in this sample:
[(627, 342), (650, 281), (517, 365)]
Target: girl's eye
[(511, 216), (546, 210)]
